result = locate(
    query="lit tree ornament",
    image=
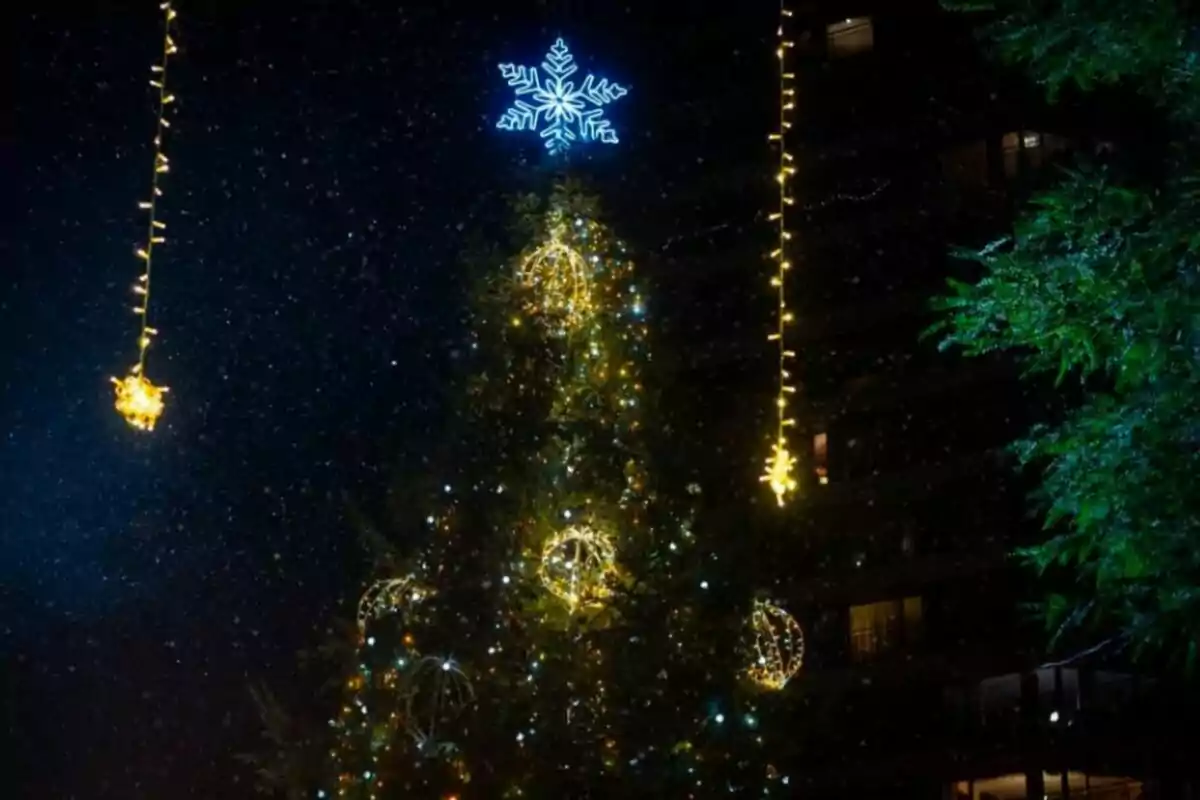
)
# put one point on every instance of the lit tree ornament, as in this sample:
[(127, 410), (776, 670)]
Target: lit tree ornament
[(436, 692), (387, 596), (559, 276), (138, 400), (555, 105), (578, 566), (780, 471), (778, 646), (781, 463)]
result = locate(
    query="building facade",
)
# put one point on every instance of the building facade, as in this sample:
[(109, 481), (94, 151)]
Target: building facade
[(910, 143), (924, 672)]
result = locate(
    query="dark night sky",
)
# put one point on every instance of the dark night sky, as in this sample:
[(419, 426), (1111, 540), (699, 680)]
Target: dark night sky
[(328, 159)]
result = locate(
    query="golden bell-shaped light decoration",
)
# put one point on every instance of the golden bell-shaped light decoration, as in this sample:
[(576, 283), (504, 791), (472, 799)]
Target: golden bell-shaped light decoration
[(139, 401), (777, 648)]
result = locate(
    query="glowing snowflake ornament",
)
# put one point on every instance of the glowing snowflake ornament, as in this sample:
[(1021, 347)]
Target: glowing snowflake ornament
[(563, 113)]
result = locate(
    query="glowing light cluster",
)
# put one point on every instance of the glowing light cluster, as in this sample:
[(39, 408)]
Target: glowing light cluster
[(778, 646), (779, 474), (387, 596), (560, 279), (138, 400), (555, 105), (578, 566)]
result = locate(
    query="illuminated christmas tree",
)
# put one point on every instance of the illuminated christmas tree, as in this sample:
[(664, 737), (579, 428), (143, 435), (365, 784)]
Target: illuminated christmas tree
[(557, 634), (489, 665)]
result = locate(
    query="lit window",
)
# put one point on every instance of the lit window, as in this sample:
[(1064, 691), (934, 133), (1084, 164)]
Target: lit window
[(1012, 787), (850, 37), (821, 457), (876, 628)]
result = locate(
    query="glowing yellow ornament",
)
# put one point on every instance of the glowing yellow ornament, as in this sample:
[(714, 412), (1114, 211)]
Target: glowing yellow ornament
[(779, 471), (578, 566), (139, 401), (387, 596), (778, 646), (560, 277)]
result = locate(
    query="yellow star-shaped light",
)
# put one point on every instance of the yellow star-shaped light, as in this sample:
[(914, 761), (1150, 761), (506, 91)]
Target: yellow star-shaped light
[(779, 471), (139, 401)]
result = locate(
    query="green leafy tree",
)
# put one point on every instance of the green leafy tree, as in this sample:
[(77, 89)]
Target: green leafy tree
[(1099, 283)]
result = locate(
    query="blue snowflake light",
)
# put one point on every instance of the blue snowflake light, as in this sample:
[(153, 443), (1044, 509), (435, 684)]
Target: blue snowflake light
[(563, 113)]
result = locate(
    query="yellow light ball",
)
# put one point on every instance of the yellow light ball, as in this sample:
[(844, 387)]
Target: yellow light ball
[(778, 646), (578, 566), (560, 278), (139, 401)]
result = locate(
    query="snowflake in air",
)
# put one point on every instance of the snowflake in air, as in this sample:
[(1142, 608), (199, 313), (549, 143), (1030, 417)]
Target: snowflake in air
[(556, 106)]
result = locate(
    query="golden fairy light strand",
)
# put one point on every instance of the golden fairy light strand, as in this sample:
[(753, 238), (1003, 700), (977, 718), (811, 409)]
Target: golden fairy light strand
[(781, 464), (138, 400)]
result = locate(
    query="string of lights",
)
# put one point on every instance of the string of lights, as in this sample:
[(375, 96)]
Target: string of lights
[(781, 464), (138, 400)]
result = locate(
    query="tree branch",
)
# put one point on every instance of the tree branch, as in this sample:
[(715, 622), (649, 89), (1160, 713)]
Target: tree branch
[(1094, 649)]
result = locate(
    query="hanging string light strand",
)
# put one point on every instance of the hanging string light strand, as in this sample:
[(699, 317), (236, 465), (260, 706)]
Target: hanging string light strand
[(138, 400), (781, 464)]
